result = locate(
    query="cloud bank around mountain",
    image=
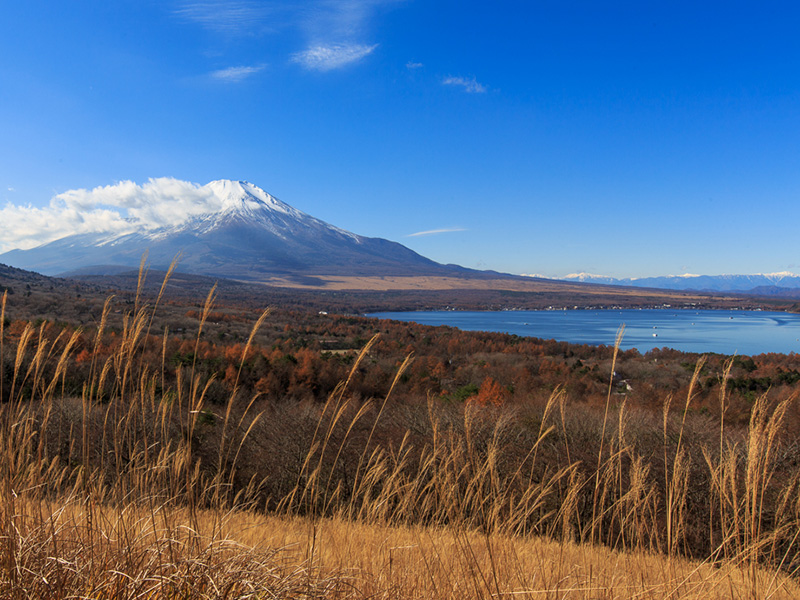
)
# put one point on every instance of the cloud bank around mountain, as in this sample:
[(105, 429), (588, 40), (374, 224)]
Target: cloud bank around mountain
[(120, 208)]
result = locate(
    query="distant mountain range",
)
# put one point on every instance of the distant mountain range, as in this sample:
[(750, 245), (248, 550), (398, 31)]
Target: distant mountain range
[(253, 236), (762, 283)]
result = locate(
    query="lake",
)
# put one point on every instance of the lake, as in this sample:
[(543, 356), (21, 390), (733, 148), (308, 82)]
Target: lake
[(702, 331)]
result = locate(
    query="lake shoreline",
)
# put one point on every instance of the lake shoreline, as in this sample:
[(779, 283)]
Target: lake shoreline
[(723, 331)]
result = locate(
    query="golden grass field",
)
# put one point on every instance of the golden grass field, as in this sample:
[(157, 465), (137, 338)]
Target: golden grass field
[(136, 552), (114, 494), (517, 284)]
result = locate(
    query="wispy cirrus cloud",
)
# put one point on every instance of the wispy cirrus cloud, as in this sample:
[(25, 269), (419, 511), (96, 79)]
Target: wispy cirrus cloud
[(470, 85), (325, 58), (235, 74), (337, 32), (230, 17), (436, 231), (414, 65), (338, 20), (120, 208)]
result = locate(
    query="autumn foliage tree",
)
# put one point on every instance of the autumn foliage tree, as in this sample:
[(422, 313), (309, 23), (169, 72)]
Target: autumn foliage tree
[(491, 393)]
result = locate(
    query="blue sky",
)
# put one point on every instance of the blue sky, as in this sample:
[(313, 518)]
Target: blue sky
[(622, 138)]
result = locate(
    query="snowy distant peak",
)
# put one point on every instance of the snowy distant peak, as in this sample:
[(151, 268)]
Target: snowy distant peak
[(587, 277), (779, 276), (681, 276), (690, 281), (244, 201), (242, 196)]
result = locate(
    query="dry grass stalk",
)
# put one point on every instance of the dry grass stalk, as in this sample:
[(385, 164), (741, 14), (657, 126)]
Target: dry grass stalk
[(124, 503)]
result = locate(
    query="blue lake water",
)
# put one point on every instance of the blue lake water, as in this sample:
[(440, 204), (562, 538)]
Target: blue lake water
[(721, 331)]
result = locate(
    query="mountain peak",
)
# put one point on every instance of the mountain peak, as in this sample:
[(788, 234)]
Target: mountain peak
[(585, 277), (231, 229), (245, 197), (690, 281)]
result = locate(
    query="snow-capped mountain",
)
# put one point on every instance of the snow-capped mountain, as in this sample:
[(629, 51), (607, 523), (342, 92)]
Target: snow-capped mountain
[(713, 283), (250, 236), (590, 278)]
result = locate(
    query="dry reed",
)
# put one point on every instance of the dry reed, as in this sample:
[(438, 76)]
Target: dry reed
[(121, 493)]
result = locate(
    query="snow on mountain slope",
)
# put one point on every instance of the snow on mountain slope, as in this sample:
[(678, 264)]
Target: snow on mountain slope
[(588, 278), (718, 283), (246, 234), (247, 204)]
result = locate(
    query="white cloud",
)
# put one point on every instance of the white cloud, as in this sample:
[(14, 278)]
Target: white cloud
[(235, 74), (326, 20), (115, 209), (229, 17), (414, 65), (436, 231), (325, 58), (336, 32), (470, 85)]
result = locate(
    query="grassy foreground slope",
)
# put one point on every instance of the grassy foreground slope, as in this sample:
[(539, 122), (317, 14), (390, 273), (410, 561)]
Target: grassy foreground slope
[(85, 551), (136, 485)]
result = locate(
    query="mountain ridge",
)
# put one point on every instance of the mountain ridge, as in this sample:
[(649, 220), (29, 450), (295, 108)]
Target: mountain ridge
[(705, 283), (248, 235)]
